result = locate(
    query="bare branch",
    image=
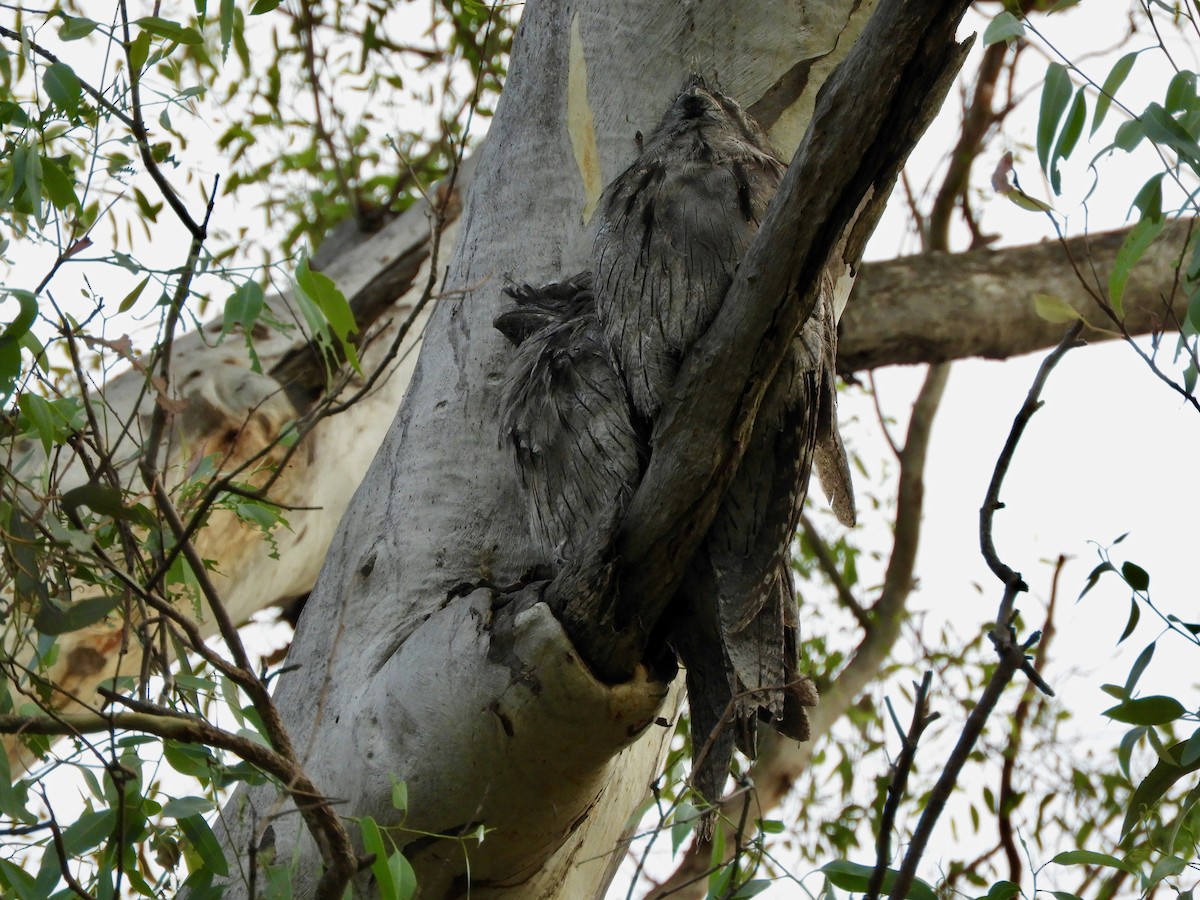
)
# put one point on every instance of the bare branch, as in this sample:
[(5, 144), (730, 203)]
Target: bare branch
[(921, 719)]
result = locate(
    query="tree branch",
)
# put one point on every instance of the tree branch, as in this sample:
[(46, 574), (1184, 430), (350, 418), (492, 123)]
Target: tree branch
[(921, 719), (1003, 636)]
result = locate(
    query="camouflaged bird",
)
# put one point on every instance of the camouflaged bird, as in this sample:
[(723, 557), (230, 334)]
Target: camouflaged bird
[(565, 412), (672, 230)]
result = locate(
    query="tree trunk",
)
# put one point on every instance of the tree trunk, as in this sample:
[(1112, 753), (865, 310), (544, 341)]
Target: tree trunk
[(421, 657), (414, 665)]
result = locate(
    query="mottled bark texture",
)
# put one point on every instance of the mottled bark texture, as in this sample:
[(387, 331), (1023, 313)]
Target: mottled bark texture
[(404, 616), (420, 656)]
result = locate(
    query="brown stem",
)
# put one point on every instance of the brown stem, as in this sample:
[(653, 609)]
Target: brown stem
[(137, 125), (1012, 580), (830, 568), (921, 719), (977, 119), (1006, 801), (61, 850)]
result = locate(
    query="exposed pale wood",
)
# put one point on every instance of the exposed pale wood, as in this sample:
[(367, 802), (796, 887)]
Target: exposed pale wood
[(437, 521)]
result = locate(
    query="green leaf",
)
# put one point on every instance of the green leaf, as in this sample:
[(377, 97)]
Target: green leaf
[(1154, 787), (1004, 27), (684, 822), (1166, 867), (1193, 314), (41, 416), (92, 827), (1131, 623), (1056, 93), (242, 308), (1182, 817), (1125, 748), (856, 877), (1094, 577), (62, 87), (263, 6), (75, 27), (324, 305), (771, 826), (228, 9), (331, 301), (14, 795), (385, 882), (172, 31), (54, 618), (399, 795), (139, 51), (1139, 666), (1156, 710), (132, 297), (12, 114), (1133, 248), (403, 875), (27, 179), (19, 881), (1181, 92), (203, 843), (106, 500), (25, 559), (1068, 138), (1190, 753), (59, 184), (189, 759), (1025, 201), (1091, 858), (1063, 895), (1161, 128), (10, 367), (1129, 135), (1116, 77), (1149, 199), (184, 807), (1002, 890), (25, 317), (1054, 309), (1135, 576)]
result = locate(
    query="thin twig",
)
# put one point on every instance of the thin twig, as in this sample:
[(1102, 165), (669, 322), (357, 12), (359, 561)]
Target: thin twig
[(921, 719), (829, 566), (60, 849), (1003, 637), (1013, 583), (1007, 798)]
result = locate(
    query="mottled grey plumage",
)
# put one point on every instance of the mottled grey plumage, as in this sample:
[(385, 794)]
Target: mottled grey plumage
[(673, 228), (566, 414)]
